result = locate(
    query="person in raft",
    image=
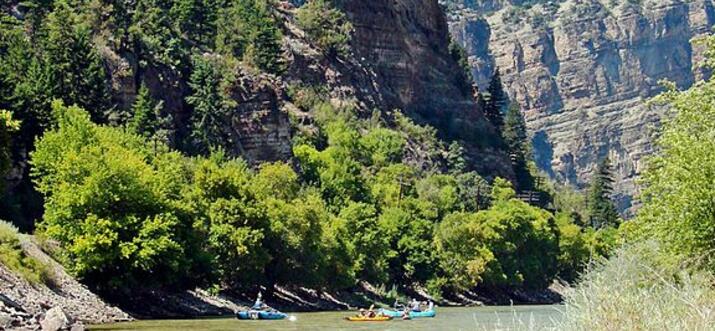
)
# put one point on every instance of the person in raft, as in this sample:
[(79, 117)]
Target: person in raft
[(415, 305), (370, 313), (259, 305)]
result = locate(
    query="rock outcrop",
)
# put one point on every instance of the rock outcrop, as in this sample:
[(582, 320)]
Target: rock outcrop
[(65, 304), (398, 59), (582, 71)]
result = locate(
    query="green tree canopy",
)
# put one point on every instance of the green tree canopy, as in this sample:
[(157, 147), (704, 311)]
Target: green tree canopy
[(601, 210)]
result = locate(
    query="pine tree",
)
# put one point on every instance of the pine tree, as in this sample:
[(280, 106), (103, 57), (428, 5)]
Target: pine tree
[(496, 101), (159, 40), (264, 51), (602, 211), (455, 158), (516, 140), (459, 55), (77, 69), (209, 111), (248, 31), (196, 19), (149, 119)]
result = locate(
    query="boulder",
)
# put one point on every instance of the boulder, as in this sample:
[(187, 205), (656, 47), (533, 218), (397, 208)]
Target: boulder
[(55, 319)]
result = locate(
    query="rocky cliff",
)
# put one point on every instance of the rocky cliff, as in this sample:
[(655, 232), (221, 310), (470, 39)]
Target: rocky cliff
[(582, 69), (398, 59)]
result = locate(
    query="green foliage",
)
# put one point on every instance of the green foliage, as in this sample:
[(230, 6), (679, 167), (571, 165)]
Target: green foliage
[(149, 119), (601, 210), (111, 206), (210, 107), (573, 247), (511, 244), (679, 182), (496, 102), (226, 213), (7, 126), (326, 26), (247, 30), (518, 146), (365, 240), (14, 258)]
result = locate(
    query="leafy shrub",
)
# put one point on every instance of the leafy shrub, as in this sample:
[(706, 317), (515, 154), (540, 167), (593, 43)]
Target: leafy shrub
[(511, 244)]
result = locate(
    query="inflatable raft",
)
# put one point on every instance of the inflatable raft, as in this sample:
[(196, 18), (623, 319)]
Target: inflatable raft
[(413, 314), (260, 315)]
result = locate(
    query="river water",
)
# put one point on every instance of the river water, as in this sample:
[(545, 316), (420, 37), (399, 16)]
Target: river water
[(478, 319)]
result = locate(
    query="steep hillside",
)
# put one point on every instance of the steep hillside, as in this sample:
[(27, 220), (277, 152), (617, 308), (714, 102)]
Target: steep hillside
[(397, 59), (582, 69), (62, 303)]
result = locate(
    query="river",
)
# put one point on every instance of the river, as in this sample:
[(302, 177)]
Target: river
[(479, 318)]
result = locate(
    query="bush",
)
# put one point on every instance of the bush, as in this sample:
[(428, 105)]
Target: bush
[(634, 290), (111, 202), (13, 257), (326, 26), (511, 244), (679, 185)]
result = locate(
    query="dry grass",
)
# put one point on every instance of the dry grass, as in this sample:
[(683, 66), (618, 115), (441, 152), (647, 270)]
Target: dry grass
[(635, 291)]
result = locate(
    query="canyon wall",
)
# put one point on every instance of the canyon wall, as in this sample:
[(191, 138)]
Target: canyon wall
[(582, 71)]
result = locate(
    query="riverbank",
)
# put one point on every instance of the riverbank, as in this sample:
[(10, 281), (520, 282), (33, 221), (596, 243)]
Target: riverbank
[(67, 303), (62, 304), (200, 303)]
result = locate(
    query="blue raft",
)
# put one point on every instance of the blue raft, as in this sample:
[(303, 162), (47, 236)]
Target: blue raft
[(413, 314), (260, 315)]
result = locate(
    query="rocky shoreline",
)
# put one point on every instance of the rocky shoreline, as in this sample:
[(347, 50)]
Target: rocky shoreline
[(65, 304), (68, 305), (159, 304)]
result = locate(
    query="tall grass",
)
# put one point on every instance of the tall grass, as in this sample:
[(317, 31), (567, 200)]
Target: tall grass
[(635, 290), (14, 258)]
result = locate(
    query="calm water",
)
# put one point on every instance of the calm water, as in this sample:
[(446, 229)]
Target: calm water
[(481, 318)]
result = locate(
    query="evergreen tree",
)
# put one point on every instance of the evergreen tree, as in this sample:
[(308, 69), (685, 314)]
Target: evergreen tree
[(111, 20), (196, 19), (326, 26), (517, 143), (36, 11), (77, 69), (602, 212), (455, 158), (459, 55), (496, 102), (159, 40), (209, 111), (149, 119), (248, 31)]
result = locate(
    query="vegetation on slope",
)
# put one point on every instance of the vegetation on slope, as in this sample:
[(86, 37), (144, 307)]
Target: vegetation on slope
[(137, 197), (14, 258)]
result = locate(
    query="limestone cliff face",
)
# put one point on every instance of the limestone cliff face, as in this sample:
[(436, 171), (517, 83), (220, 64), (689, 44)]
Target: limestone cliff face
[(582, 69), (399, 59), (404, 45)]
